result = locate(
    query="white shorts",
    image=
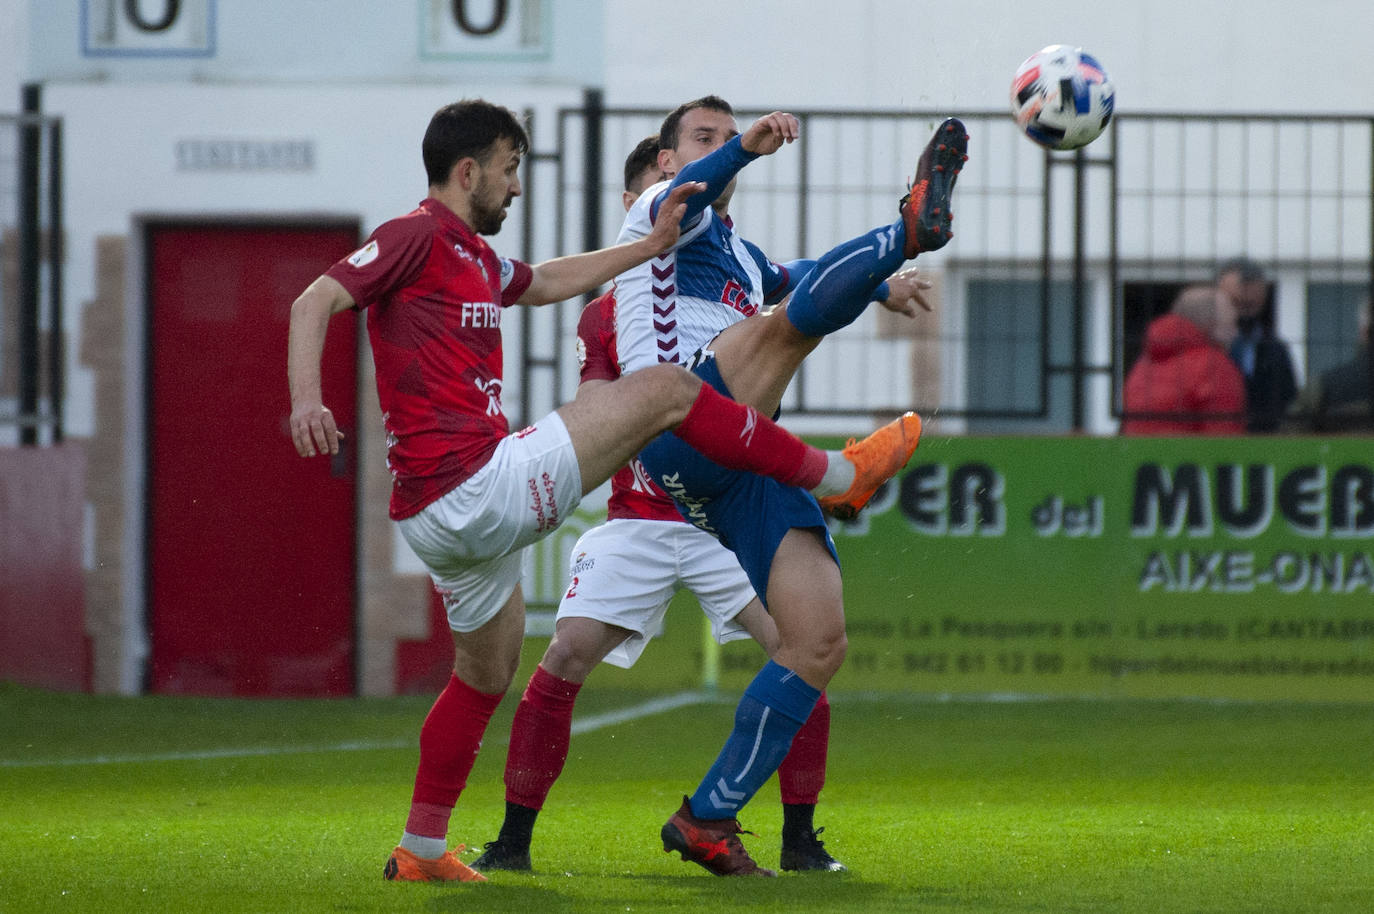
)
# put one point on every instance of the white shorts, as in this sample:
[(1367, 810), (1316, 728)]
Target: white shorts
[(470, 540), (625, 571)]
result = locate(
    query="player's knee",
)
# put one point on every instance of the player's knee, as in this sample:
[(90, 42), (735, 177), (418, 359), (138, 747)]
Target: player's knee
[(565, 660), (673, 388), (676, 383), (832, 651), (827, 647), (818, 655), (490, 675)]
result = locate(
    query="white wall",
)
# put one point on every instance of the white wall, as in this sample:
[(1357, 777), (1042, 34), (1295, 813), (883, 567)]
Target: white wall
[(13, 52), (1191, 55)]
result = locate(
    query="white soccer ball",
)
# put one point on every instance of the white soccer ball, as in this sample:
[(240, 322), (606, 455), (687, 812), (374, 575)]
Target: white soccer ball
[(1062, 98)]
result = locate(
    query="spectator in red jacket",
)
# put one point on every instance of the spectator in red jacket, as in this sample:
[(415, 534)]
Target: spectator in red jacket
[(1184, 382)]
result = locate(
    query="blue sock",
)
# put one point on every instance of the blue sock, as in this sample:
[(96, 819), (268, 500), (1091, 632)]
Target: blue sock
[(771, 712), (840, 286)]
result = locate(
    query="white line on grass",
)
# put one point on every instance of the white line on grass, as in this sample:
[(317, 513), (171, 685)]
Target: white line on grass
[(581, 725), (635, 712)]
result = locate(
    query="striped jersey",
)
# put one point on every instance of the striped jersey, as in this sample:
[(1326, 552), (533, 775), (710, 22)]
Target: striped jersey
[(674, 304)]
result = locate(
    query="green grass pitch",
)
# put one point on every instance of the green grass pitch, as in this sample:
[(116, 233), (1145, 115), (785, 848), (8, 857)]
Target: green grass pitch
[(160, 804)]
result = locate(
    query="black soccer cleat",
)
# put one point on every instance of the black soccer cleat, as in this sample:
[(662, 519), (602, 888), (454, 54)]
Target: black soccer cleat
[(499, 855), (925, 208), (806, 852)]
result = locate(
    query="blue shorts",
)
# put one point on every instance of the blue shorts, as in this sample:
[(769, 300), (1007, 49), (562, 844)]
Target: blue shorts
[(749, 513)]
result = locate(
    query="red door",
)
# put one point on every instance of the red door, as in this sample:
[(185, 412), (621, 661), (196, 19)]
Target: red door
[(251, 553)]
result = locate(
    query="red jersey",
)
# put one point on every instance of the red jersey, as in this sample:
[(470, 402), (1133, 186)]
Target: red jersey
[(434, 291), (633, 494)]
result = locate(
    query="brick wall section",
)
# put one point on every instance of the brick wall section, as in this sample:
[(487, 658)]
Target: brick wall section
[(103, 329)]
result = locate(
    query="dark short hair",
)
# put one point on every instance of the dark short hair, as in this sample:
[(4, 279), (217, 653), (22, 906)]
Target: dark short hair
[(668, 133), (1249, 270), (643, 157), (470, 128)]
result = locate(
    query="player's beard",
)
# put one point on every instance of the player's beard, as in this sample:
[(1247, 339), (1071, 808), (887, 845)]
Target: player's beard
[(487, 216)]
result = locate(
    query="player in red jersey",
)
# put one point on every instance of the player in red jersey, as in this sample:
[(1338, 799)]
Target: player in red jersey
[(468, 494), (624, 574)]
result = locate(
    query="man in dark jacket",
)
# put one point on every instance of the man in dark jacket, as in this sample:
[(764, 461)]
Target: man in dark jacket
[(1263, 359), (1340, 399)]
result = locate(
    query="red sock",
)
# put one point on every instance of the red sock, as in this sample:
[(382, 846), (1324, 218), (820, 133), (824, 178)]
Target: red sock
[(802, 772), (449, 740), (736, 436), (539, 738)]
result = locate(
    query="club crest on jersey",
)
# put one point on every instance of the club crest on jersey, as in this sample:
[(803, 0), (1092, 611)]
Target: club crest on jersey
[(364, 255), (492, 388), (642, 482)]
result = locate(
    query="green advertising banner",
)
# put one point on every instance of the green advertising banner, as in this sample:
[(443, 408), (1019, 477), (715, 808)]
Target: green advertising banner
[(1238, 568), (1216, 568)]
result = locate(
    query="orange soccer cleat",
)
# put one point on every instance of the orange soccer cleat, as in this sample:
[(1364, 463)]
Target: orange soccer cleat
[(876, 459), (406, 867)]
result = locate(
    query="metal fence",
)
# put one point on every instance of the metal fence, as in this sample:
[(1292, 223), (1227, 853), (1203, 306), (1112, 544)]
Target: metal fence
[(1059, 259), (31, 343)]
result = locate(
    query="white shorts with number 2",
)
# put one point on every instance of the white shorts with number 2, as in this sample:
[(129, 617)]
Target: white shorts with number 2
[(625, 572)]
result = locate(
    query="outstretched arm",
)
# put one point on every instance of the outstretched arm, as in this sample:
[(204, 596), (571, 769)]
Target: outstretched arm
[(764, 137), (312, 424), (564, 277)]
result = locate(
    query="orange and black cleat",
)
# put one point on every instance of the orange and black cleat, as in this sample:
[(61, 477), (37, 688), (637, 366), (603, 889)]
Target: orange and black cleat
[(925, 208), (710, 843)]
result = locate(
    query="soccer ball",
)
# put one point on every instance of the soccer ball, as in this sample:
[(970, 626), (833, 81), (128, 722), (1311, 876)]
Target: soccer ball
[(1061, 97)]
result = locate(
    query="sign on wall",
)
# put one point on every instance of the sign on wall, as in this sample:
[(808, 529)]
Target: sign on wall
[(480, 41), (493, 29), (161, 28)]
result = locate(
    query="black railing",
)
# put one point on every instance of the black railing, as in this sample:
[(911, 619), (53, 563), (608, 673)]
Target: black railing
[(1080, 249), (32, 361)]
